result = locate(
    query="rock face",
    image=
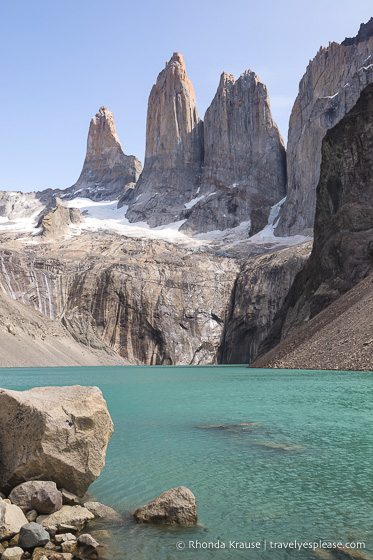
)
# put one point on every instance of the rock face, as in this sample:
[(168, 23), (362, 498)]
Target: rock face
[(11, 520), (64, 433), (174, 507), (260, 290), (343, 244), (57, 217), (146, 301), (107, 172), (244, 170), (330, 87), (174, 149)]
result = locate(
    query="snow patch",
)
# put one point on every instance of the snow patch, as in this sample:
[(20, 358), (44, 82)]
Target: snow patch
[(193, 202)]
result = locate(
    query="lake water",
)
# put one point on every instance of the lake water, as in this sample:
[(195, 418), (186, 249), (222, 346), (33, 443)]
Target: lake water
[(302, 473)]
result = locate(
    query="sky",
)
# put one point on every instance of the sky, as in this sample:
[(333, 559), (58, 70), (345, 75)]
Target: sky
[(63, 59)]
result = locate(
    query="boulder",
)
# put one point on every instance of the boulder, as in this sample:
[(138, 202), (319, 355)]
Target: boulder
[(68, 498), (100, 510), (14, 553), (39, 553), (11, 520), (47, 500), (74, 517), (64, 537), (174, 507), (53, 432), (32, 535), (21, 495)]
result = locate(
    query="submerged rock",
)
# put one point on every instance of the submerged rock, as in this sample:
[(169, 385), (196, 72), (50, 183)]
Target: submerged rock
[(174, 507), (53, 432), (100, 510)]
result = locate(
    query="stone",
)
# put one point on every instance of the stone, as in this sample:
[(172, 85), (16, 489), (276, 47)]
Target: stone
[(11, 520), (174, 507), (100, 510), (14, 541), (174, 149), (107, 172), (244, 170), (14, 553), (64, 537), (32, 535), (46, 500), (50, 554), (64, 433), (69, 546), (21, 495), (1, 548), (87, 540), (72, 516), (329, 88), (57, 217), (69, 499), (31, 515)]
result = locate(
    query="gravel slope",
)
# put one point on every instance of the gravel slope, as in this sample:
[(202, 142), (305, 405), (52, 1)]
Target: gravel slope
[(339, 338)]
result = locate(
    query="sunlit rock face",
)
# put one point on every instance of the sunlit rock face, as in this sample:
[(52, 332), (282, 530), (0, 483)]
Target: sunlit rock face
[(244, 170), (330, 87), (107, 172), (174, 149)]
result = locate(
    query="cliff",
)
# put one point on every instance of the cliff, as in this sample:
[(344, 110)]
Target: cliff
[(342, 251), (244, 171), (174, 149), (107, 172), (330, 87)]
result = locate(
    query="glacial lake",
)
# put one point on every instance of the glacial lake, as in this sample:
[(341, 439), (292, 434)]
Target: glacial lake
[(302, 473)]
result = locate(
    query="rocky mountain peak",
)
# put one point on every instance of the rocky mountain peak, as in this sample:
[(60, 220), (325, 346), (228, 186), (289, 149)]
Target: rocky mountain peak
[(107, 171), (365, 32), (225, 80), (174, 148)]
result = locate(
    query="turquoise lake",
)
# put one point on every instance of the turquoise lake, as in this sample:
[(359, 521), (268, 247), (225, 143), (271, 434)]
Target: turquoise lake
[(303, 472)]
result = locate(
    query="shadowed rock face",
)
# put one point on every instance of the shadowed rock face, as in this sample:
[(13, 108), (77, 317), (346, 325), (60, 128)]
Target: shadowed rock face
[(330, 87), (342, 253), (245, 164), (174, 149), (107, 172)]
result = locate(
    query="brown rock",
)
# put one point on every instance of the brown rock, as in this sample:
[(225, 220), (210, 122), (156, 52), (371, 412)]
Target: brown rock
[(69, 499), (174, 507), (174, 149), (64, 433), (107, 172), (56, 218), (46, 500)]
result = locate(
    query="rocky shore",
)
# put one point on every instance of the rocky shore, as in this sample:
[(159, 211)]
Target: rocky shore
[(52, 447)]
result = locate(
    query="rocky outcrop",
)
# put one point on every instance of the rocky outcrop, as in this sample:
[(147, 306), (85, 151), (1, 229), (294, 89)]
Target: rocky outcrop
[(107, 172), (259, 293), (343, 244), (57, 218), (330, 87), (71, 428), (146, 301), (244, 172), (174, 507), (48, 342), (174, 149)]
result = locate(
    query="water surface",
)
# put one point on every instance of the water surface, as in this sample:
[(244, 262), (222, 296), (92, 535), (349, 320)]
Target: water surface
[(302, 472)]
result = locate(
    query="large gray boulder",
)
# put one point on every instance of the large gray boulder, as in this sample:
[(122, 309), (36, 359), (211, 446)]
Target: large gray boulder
[(21, 495), (32, 535), (11, 520), (57, 433), (174, 507)]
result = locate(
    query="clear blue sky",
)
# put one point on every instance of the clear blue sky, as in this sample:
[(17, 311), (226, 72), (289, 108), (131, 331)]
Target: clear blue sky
[(62, 59)]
